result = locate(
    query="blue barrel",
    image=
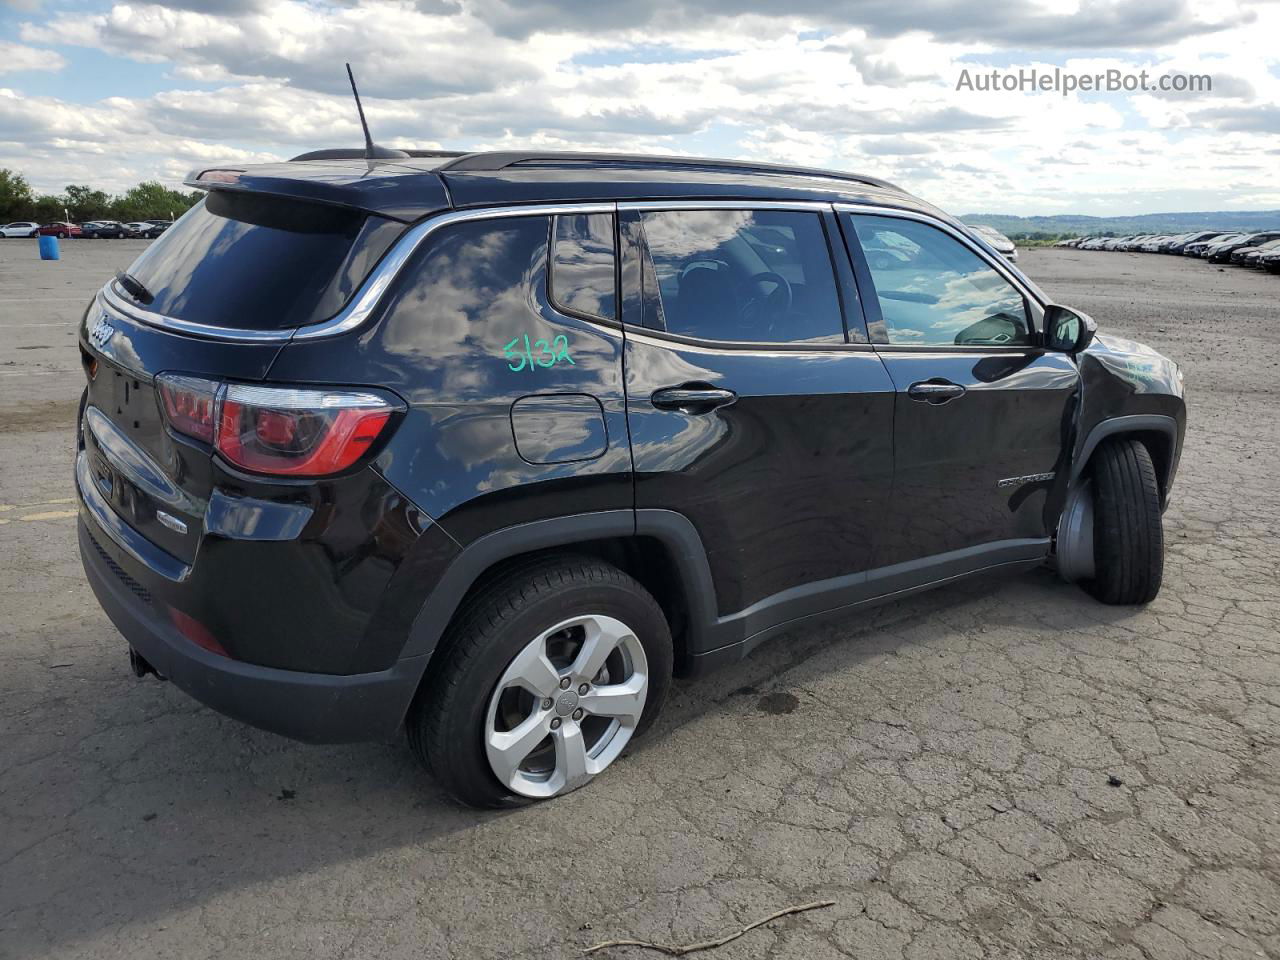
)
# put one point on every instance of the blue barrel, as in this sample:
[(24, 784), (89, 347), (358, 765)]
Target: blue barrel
[(49, 248)]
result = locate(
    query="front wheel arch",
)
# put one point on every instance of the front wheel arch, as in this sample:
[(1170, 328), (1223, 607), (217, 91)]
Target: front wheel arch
[(1157, 432)]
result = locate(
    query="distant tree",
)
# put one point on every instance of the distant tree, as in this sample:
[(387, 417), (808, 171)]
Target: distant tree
[(50, 208), (16, 198), (85, 203), (151, 200)]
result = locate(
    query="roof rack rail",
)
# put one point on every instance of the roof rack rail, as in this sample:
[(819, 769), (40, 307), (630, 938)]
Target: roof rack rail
[(357, 153), (502, 159)]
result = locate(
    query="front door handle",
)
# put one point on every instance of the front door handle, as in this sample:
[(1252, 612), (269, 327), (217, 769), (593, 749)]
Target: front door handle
[(692, 398), (935, 391)]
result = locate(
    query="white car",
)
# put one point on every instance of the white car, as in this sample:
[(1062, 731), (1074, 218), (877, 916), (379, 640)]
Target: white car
[(997, 240), (19, 228)]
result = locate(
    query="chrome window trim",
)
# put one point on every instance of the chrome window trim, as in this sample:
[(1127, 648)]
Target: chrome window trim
[(118, 305), (996, 262), (952, 348), (677, 341), (375, 285), (371, 291)]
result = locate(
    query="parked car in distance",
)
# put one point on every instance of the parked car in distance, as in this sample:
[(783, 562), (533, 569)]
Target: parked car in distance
[(1197, 247), (143, 230), (1248, 256), (450, 445), (1166, 244), (60, 230), (1203, 247), (20, 228), (1270, 262), (1181, 244), (1213, 245), (1221, 252), (160, 226), (998, 241), (103, 230)]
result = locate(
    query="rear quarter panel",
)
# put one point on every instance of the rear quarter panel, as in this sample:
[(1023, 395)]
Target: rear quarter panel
[(450, 339)]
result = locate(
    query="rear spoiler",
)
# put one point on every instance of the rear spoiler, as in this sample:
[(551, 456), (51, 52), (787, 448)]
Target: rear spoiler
[(389, 190)]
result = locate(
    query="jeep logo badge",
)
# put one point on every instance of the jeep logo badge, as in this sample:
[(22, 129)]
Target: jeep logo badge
[(101, 332)]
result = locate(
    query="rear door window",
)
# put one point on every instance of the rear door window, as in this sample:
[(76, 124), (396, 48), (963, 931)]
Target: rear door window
[(252, 261), (747, 276)]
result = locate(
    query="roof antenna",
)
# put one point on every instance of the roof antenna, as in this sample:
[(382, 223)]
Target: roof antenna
[(371, 150)]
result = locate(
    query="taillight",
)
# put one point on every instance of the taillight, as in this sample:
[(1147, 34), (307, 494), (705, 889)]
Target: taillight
[(296, 432), (189, 404), (285, 431)]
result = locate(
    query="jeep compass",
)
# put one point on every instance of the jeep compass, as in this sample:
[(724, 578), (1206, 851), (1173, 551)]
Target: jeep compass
[(487, 447)]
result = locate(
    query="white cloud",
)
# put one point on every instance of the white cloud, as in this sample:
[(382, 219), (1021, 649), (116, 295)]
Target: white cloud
[(868, 86), (16, 56)]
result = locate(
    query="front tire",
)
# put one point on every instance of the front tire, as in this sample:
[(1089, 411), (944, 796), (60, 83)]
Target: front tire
[(541, 682), (1128, 534)]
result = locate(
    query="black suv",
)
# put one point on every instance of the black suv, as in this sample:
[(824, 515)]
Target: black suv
[(487, 446)]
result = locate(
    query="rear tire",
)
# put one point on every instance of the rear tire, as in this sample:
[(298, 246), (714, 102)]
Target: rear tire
[(1128, 535), (468, 700)]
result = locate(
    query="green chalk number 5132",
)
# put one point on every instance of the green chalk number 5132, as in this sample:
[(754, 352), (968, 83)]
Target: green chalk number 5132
[(521, 357)]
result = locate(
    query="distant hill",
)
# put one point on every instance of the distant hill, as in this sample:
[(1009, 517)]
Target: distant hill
[(1076, 225)]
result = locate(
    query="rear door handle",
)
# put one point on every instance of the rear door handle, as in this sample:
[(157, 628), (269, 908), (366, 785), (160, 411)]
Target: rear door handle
[(692, 398), (935, 391)]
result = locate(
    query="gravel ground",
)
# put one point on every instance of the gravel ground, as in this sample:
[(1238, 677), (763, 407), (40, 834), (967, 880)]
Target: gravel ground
[(1003, 769)]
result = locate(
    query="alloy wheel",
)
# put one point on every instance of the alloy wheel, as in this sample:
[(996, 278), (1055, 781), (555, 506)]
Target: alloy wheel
[(566, 706)]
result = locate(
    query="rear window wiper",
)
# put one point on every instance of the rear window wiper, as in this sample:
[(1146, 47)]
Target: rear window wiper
[(134, 287)]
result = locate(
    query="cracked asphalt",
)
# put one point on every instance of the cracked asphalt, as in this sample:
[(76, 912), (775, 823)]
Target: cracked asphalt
[(1003, 769)]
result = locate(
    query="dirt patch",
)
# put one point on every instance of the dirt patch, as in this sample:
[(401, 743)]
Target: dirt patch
[(55, 415)]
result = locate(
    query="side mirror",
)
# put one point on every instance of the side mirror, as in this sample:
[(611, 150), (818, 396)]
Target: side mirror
[(1067, 330)]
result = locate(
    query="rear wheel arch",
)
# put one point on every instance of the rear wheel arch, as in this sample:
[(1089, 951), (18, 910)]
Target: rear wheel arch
[(658, 548)]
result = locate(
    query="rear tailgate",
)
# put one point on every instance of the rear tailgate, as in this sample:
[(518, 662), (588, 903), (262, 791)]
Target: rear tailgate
[(216, 297), (137, 465)]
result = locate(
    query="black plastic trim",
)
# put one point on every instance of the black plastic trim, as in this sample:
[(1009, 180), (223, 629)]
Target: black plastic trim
[(1134, 423), (312, 707), (700, 664), (673, 529)]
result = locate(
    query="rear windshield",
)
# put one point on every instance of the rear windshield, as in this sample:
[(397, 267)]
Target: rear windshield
[(259, 262)]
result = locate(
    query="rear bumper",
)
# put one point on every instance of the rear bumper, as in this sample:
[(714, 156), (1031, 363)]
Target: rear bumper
[(313, 707)]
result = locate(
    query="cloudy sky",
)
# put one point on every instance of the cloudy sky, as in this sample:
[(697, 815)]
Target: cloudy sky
[(108, 93)]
